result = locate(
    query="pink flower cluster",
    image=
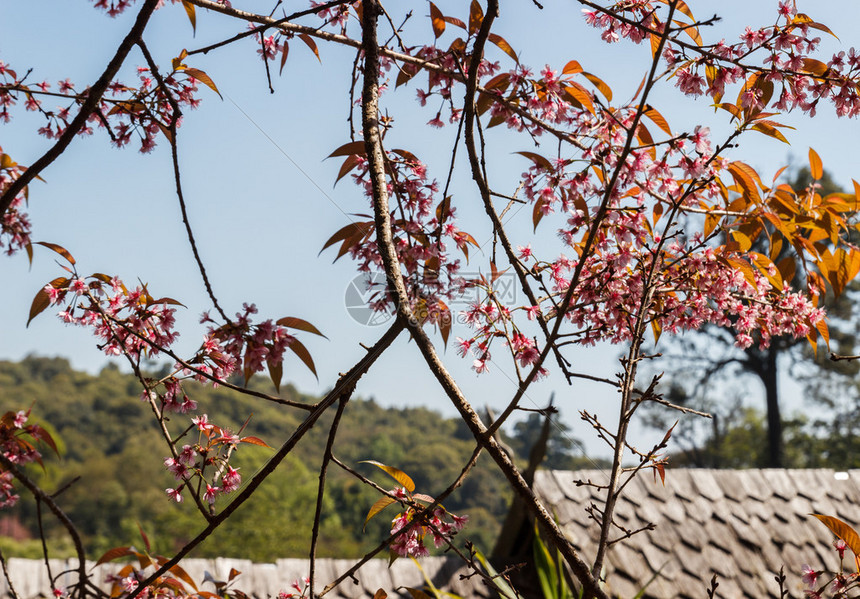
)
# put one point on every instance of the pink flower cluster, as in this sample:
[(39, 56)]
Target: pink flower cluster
[(422, 229), (787, 45), (141, 111), (412, 531), (836, 585), (17, 445), (241, 344), (207, 459), (300, 589), (128, 321)]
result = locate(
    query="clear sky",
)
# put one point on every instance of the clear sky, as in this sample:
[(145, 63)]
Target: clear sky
[(261, 196)]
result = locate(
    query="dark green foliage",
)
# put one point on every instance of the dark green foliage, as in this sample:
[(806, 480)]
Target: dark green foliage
[(110, 440)]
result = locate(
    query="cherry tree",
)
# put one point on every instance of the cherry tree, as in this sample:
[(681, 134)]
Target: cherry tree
[(640, 230)]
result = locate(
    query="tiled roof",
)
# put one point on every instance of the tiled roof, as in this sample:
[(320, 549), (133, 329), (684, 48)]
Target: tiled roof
[(739, 524)]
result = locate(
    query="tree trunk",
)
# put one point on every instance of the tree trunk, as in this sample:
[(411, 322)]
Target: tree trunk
[(774, 420)]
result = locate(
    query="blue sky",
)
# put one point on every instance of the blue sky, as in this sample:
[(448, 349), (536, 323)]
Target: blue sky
[(261, 196)]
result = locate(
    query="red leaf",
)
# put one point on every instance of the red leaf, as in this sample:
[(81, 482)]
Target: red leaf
[(297, 323), (40, 302), (348, 149), (309, 41), (285, 51), (304, 355), (115, 553), (59, 249), (254, 441)]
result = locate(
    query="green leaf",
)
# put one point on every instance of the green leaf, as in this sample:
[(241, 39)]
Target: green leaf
[(505, 590), (398, 475)]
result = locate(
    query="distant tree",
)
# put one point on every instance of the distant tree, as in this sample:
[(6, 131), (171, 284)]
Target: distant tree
[(705, 368)]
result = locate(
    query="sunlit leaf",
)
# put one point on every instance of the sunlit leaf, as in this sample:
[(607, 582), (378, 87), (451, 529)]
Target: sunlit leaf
[(476, 16), (398, 475), (254, 441), (816, 169), (600, 85), (842, 530), (571, 68), (203, 78), (381, 503), (657, 119), (189, 10), (503, 45), (437, 21)]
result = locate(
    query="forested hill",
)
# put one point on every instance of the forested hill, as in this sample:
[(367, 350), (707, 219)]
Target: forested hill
[(108, 438)]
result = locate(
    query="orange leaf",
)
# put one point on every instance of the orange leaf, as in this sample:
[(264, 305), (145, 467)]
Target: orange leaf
[(600, 85), (381, 503), (657, 119), (254, 441), (841, 530), (310, 43), (571, 68), (816, 169), (476, 16), (437, 20), (189, 10), (202, 78), (503, 45)]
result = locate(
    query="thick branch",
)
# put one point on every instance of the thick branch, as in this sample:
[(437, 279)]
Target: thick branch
[(376, 162)]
